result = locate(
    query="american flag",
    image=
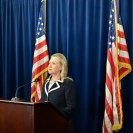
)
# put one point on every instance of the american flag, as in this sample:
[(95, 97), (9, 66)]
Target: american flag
[(41, 58), (117, 67)]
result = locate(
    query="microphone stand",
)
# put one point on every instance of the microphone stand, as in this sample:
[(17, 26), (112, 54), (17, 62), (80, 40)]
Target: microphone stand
[(16, 98)]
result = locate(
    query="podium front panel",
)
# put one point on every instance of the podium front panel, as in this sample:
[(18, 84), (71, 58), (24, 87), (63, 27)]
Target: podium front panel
[(16, 117), (26, 117)]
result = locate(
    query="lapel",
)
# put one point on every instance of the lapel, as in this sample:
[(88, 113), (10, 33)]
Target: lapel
[(54, 87)]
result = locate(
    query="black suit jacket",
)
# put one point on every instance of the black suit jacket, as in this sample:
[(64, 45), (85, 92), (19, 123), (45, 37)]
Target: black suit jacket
[(61, 95)]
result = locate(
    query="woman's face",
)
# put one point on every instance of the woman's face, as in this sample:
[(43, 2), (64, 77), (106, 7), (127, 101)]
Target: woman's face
[(54, 66)]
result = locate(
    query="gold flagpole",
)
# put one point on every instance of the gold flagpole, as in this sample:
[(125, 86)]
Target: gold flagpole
[(45, 74), (119, 126), (45, 15)]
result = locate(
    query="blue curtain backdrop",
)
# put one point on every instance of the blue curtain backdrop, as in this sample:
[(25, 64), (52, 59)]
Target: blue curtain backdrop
[(79, 30)]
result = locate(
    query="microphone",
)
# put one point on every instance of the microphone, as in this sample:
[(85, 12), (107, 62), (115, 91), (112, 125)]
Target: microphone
[(16, 98)]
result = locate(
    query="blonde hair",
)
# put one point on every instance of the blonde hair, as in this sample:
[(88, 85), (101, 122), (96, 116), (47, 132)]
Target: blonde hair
[(63, 61)]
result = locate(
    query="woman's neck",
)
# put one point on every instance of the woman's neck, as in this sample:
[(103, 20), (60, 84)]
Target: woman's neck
[(55, 77)]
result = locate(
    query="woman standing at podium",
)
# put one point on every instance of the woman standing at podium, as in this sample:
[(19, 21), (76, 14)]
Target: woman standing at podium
[(58, 88)]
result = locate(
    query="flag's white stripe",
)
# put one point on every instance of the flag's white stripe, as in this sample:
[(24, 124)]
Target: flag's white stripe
[(122, 41), (103, 129), (40, 51), (123, 54), (109, 70), (32, 85), (40, 62), (120, 27), (109, 97), (38, 90), (40, 39), (108, 124)]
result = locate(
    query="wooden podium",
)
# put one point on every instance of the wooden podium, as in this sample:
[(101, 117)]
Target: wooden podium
[(26, 117)]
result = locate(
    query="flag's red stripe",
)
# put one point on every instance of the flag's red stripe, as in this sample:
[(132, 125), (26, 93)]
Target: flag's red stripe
[(33, 89), (41, 44), (39, 69), (121, 34), (109, 83), (33, 99), (40, 56), (36, 97), (112, 65), (122, 47), (124, 60), (105, 128), (122, 70)]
